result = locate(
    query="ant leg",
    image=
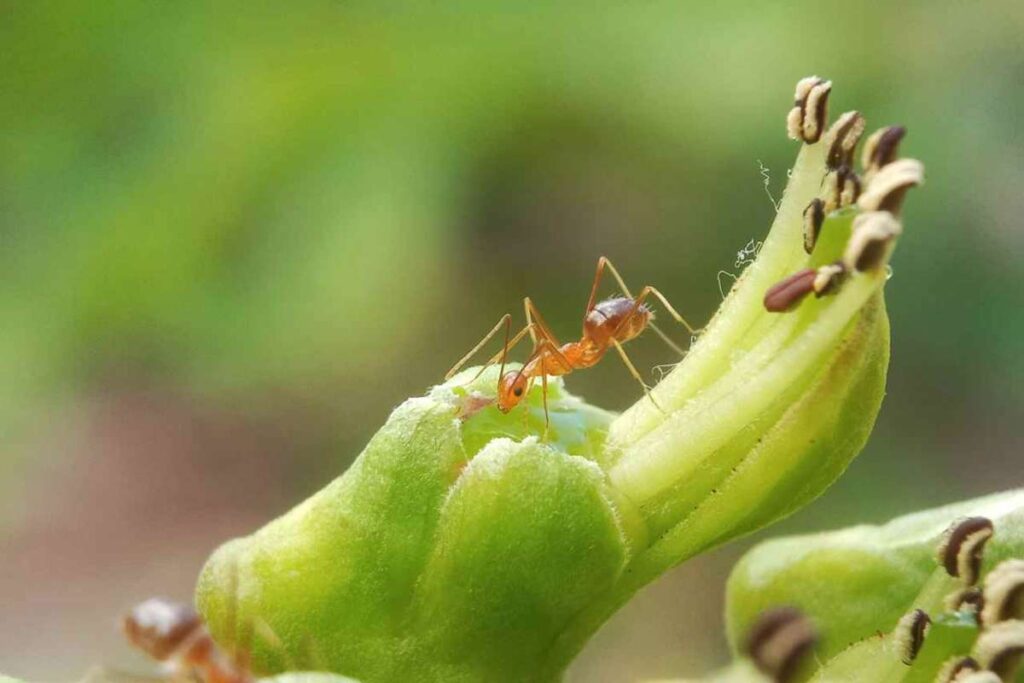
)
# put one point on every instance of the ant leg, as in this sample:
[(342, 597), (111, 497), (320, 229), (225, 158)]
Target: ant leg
[(648, 291), (644, 293), (668, 307), (667, 339), (552, 346), (546, 347), (527, 305), (592, 301), (544, 395), (636, 374), (533, 316), (603, 263)]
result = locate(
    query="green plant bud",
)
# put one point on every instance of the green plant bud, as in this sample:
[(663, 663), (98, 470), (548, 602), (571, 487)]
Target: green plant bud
[(883, 658), (859, 582), (105, 675), (466, 544), (739, 672), (424, 563), (308, 677)]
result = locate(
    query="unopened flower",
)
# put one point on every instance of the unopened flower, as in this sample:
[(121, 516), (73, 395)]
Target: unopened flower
[(469, 544), (900, 602)]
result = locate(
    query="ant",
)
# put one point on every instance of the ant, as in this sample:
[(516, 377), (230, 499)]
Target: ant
[(606, 324), (174, 633)]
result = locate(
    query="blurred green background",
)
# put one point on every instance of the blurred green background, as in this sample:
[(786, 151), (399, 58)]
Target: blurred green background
[(233, 237)]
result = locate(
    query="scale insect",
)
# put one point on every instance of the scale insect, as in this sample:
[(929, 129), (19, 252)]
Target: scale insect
[(606, 324)]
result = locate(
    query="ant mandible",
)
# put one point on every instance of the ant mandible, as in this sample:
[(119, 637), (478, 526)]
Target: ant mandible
[(606, 324)]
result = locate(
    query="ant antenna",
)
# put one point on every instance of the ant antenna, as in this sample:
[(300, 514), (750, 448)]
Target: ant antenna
[(668, 340), (636, 374), (506, 320), (504, 351)]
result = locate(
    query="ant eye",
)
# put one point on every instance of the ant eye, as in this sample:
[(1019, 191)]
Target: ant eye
[(518, 391)]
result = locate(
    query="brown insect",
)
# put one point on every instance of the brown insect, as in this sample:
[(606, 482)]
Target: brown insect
[(175, 634), (606, 324)]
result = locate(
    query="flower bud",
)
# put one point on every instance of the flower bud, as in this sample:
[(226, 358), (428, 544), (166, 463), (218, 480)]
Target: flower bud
[(470, 544)]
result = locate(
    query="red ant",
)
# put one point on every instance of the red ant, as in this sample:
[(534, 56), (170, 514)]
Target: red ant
[(609, 323), (173, 633)]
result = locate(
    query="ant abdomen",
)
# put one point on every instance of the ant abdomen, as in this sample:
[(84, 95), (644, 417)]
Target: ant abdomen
[(619, 318), (159, 627)]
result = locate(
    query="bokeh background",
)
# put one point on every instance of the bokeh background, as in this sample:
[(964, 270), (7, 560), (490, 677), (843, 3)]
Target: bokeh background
[(232, 238)]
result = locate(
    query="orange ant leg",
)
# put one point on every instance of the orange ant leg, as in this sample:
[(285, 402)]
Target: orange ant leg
[(668, 307), (637, 302), (546, 348), (533, 316), (592, 301), (636, 374), (547, 344), (603, 263), (544, 400)]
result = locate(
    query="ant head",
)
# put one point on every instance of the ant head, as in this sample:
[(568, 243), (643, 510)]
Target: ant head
[(158, 627), (511, 389)]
